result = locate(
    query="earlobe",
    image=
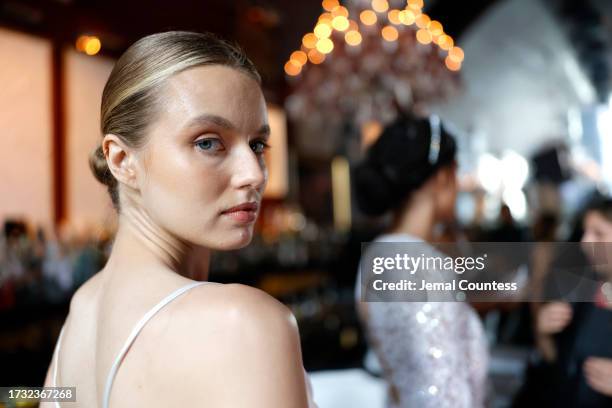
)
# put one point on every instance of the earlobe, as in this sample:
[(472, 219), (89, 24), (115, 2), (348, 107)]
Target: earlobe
[(120, 159)]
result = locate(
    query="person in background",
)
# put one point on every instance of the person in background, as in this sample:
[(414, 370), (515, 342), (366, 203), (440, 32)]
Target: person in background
[(507, 229), (432, 354), (575, 339)]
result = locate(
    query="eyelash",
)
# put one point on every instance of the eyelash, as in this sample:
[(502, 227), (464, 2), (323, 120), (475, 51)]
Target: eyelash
[(265, 145), (198, 143)]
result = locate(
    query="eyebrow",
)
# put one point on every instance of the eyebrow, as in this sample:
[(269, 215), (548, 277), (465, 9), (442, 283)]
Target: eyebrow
[(263, 131)]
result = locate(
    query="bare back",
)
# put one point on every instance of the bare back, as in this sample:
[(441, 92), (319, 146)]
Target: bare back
[(169, 364), (100, 320)]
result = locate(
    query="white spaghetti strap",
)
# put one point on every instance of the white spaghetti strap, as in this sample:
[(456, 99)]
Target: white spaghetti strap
[(57, 351), (134, 333)]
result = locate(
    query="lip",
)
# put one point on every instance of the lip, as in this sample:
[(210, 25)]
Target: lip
[(249, 206), (245, 213)]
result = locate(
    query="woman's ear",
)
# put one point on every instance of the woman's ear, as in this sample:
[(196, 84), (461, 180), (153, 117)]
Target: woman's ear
[(120, 159)]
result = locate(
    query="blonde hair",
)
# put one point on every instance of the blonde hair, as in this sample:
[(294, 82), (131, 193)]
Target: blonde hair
[(130, 97)]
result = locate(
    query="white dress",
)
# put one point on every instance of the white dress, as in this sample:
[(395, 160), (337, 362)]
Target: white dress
[(433, 354)]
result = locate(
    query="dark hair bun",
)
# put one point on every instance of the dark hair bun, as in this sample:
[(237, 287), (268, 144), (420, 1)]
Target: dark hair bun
[(374, 194), (398, 163), (99, 167), (100, 170)]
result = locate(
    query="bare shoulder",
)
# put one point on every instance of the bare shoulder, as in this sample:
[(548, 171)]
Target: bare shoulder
[(85, 295), (234, 306), (240, 338)]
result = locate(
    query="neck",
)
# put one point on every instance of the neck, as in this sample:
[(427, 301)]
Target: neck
[(142, 247), (416, 217)]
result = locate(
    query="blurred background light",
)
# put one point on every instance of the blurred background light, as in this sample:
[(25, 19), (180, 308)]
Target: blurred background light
[(352, 38), (389, 33), (380, 6), (325, 45), (368, 17), (488, 172), (88, 44), (514, 170)]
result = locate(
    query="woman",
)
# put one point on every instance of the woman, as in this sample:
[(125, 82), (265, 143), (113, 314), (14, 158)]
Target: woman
[(184, 128), (433, 354), (575, 339)]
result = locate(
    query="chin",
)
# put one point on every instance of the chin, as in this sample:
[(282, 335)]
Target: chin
[(235, 240)]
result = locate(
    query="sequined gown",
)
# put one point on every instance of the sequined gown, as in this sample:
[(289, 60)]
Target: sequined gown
[(433, 354)]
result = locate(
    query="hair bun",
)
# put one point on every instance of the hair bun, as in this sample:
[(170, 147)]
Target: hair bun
[(373, 191), (99, 167)]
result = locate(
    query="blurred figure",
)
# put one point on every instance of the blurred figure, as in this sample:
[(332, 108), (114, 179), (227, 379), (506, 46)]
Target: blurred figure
[(12, 269), (575, 340), (433, 354), (542, 257), (507, 229), (14, 251), (516, 318), (20, 264), (57, 267)]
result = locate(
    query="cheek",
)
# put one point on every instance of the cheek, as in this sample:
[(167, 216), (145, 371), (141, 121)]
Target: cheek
[(181, 191)]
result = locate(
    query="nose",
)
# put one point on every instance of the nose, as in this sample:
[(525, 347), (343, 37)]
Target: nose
[(249, 170)]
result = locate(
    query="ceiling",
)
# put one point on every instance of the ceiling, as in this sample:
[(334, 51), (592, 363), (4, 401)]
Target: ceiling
[(521, 77), (270, 29)]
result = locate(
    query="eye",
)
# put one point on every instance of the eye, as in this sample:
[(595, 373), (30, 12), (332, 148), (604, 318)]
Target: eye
[(210, 144), (259, 146)]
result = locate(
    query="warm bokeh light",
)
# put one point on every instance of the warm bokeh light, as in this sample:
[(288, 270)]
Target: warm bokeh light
[(452, 65), (389, 33), (325, 45), (340, 11), (298, 57), (322, 30), (317, 44), (407, 17), (309, 40), (92, 45), (435, 28), (352, 37), (415, 4), (368, 17), (445, 42), (326, 18), (393, 16), (340, 23), (315, 56), (341, 193), (380, 6), (441, 39), (370, 131), (456, 54), (80, 43), (423, 36), (292, 69), (422, 21), (329, 5)]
